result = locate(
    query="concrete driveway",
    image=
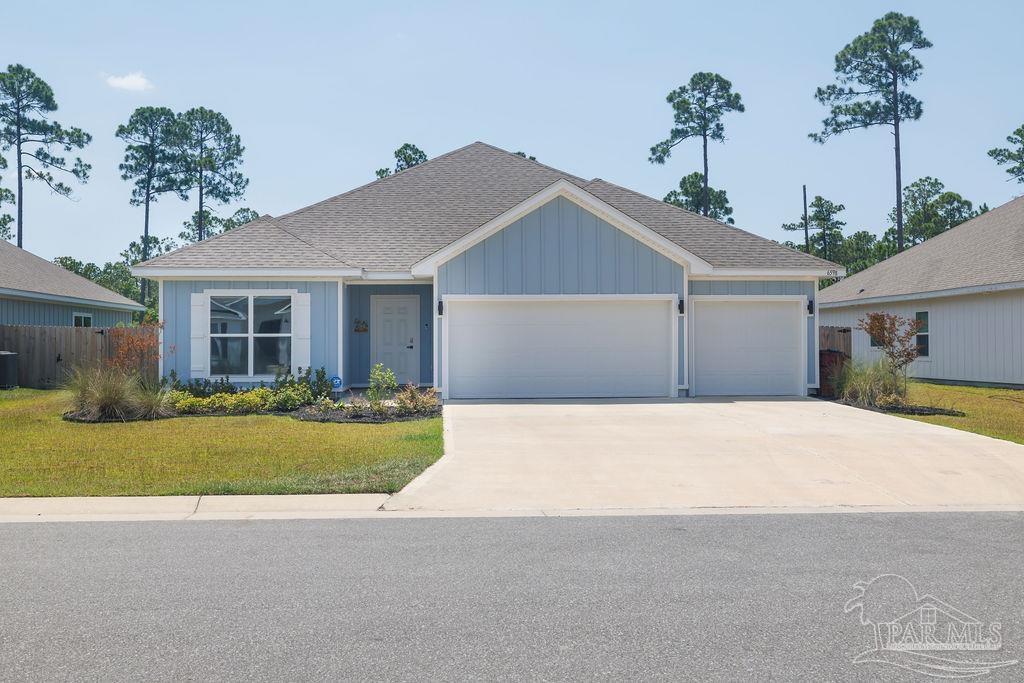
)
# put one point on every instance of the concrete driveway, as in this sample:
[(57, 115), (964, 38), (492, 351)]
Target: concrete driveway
[(706, 453)]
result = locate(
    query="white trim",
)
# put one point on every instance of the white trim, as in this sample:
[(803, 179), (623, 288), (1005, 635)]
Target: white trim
[(160, 329), (406, 281), (934, 294), (83, 315), (800, 300), (341, 331), (251, 335), (7, 292), (374, 318), (226, 273), (387, 275), (928, 358), (435, 297), (817, 346), (780, 273), (671, 299), (558, 297), (579, 196)]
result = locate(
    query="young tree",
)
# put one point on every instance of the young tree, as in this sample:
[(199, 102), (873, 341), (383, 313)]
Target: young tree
[(690, 196), (214, 224), (871, 72), (824, 226), (208, 156), (1014, 156), (150, 161), (25, 103), (697, 109), (406, 156), (897, 337), (6, 197), (929, 209)]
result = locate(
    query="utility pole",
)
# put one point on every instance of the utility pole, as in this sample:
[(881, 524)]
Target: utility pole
[(807, 229)]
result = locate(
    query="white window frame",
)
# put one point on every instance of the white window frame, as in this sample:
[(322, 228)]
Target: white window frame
[(251, 335), (83, 316), (928, 358)]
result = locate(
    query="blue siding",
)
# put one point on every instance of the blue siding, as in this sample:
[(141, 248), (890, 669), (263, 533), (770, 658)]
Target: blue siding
[(357, 345), (769, 288), (560, 248), (24, 312), (177, 313)]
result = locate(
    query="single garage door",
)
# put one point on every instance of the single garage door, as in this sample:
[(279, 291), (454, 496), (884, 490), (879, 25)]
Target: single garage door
[(749, 348), (554, 348)]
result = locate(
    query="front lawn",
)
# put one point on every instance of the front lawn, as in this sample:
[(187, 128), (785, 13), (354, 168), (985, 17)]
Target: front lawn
[(43, 455), (992, 412)]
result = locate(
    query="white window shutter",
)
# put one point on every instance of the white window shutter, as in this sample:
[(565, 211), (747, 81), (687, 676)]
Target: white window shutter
[(300, 332), (199, 335)]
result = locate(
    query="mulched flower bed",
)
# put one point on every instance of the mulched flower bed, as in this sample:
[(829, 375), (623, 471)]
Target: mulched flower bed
[(908, 409), (314, 414)]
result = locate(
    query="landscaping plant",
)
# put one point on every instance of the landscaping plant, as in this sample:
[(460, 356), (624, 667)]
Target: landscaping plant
[(101, 394), (382, 384), (897, 337), (868, 384)]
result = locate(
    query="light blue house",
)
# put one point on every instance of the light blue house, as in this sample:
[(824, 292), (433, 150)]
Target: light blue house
[(34, 291), (487, 275)]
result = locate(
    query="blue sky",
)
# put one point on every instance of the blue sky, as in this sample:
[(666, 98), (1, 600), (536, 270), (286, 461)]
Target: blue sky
[(322, 93)]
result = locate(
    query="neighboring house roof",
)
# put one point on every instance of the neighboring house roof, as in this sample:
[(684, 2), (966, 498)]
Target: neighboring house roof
[(985, 251), (23, 274), (393, 223)]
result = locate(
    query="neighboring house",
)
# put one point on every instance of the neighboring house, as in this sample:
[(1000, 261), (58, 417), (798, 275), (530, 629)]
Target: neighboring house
[(485, 274), (966, 285), (34, 291)]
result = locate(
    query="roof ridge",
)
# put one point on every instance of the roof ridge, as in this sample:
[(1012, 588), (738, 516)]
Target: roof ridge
[(706, 218), (376, 181), (529, 160)]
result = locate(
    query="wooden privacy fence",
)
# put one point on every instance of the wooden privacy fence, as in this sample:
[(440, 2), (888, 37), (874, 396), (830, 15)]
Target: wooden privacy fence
[(46, 354), (836, 339)]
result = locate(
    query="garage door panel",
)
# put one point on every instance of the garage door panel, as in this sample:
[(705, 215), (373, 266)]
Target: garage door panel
[(748, 348), (547, 349)]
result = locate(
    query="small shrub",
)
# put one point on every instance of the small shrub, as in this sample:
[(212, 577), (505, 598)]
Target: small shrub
[(410, 400), (324, 405), (150, 403), (100, 393), (193, 405), (290, 398), (382, 383), (377, 408), (244, 403), (320, 385), (357, 406), (864, 384)]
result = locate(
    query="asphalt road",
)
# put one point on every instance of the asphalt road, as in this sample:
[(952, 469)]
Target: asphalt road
[(697, 597)]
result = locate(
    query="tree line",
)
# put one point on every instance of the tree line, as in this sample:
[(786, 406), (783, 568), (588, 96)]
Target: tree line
[(191, 154), (872, 75)]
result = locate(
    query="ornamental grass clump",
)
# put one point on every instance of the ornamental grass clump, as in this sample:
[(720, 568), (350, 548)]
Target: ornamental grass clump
[(103, 394), (869, 384)]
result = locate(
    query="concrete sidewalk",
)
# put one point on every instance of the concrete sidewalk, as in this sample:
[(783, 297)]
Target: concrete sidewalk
[(152, 508)]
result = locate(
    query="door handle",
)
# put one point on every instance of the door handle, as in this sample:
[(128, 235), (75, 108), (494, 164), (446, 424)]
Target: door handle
[(409, 346)]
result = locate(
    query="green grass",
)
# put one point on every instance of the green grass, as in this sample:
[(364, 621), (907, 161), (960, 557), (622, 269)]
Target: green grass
[(42, 455), (992, 412)]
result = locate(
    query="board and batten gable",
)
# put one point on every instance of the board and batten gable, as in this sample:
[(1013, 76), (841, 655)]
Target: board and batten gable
[(323, 319), (561, 248), (24, 312), (807, 288), (972, 338)]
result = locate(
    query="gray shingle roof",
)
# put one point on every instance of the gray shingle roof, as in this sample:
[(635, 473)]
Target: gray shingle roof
[(26, 272), (987, 250), (393, 223)]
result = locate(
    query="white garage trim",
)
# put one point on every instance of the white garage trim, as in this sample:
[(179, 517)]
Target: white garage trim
[(694, 321), (671, 303)]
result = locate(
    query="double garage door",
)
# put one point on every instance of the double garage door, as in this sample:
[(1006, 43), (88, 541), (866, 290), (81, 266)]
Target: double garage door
[(558, 348)]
